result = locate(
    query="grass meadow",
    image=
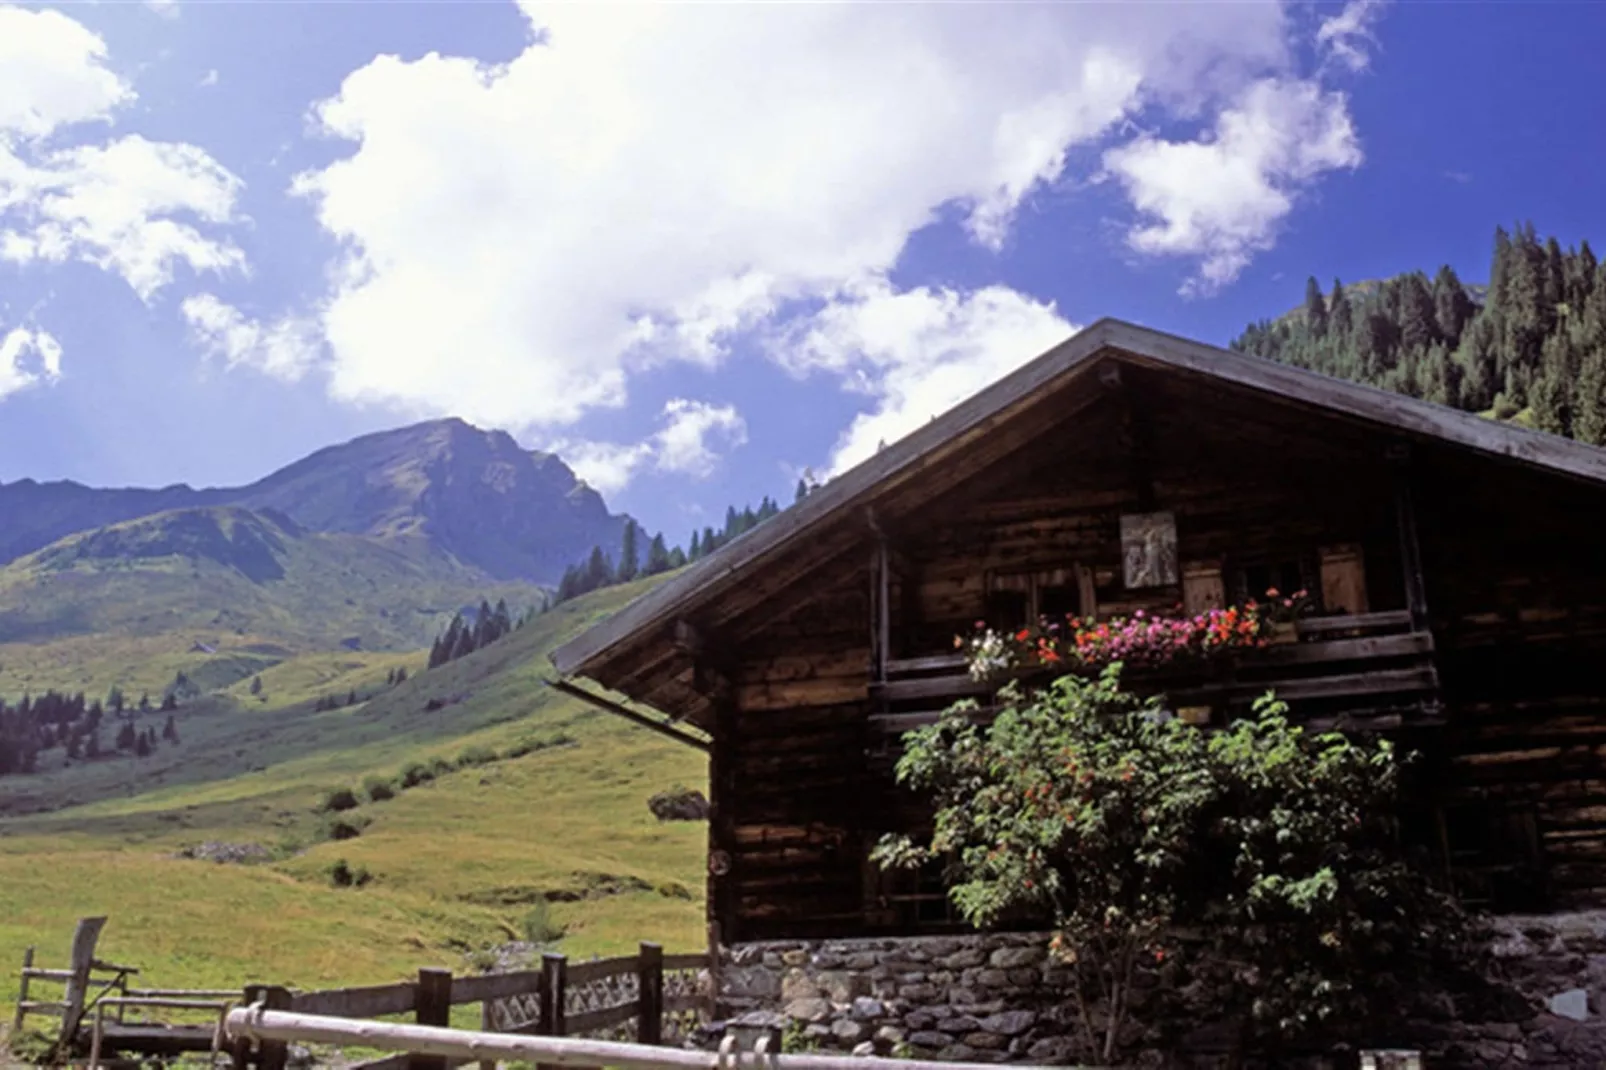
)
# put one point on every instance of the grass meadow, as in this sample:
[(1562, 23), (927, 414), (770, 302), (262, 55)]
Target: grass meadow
[(456, 861)]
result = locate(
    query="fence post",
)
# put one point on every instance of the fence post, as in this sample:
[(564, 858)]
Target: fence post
[(22, 993), (554, 992), (83, 958), (240, 1050), (650, 994), (433, 1006), (487, 1025), (275, 1054)]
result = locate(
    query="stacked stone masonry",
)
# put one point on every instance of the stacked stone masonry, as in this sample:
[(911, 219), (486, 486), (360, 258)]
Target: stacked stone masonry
[(999, 997)]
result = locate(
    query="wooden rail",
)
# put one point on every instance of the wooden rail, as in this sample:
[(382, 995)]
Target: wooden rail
[(462, 1045), (1369, 669), (645, 997)]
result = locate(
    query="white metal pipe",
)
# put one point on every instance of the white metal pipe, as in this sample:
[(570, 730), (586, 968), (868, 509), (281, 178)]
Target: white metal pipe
[(258, 1023)]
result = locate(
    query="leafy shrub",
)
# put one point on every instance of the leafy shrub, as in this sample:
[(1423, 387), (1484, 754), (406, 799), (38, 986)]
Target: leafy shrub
[(344, 828), (379, 788), (538, 926), (473, 756), (339, 800), (531, 744), (1091, 806), (416, 773), (344, 875), (440, 766)]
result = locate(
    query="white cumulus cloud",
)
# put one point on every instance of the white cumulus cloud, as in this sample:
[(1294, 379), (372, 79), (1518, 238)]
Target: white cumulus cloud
[(28, 358), (134, 207), (1222, 197), (917, 353), (285, 349), (650, 182), (692, 438)]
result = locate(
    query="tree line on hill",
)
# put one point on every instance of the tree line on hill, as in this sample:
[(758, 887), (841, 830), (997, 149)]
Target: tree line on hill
[(462, 638), (59, 720), (602, 569), (1533, 342)]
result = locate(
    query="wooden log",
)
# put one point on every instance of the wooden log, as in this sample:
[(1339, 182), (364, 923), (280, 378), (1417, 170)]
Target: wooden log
[(22, 993), (85, 937), (494, 986), (585, 973), (543, 1050), (602, 1018), (434, 1007), (650, 1000)]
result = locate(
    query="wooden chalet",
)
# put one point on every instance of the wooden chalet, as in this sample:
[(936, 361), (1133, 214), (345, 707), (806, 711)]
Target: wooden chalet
[(1457, 562)]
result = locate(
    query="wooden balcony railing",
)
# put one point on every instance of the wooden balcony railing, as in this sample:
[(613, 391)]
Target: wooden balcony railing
[(1366, 671)]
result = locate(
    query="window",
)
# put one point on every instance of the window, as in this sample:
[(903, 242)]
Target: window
[(1254, 577)]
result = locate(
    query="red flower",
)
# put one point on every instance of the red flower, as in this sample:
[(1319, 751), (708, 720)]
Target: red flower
[(1022, 635)]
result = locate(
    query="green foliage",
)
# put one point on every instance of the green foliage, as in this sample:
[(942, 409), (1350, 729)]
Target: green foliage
[(344, 828), (344, 875), (537, 925), (338, 800), (475, 755), (414, 774), (378, 788), (795, 1039), (1089, 806), (1535, 339)]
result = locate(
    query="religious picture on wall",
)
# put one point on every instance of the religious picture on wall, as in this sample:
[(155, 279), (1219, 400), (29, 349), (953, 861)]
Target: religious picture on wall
[(1149, 550)]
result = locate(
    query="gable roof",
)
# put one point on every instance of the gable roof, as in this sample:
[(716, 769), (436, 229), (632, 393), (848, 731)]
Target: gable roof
[(744, 556)]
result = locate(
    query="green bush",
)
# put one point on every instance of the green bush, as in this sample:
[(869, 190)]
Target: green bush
[(538, 926), (416, 773), (343, 828), (473, 756), (379, 788), (339, 800), (344, 875), (440, 766), (1089, 805)]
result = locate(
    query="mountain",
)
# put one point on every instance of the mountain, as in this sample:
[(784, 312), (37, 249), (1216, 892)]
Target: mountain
[(1528, 347), (222, 575), (474, 496)]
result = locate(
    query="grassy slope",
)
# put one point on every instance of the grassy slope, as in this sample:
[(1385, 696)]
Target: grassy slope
[(455, 861), (127, 604)]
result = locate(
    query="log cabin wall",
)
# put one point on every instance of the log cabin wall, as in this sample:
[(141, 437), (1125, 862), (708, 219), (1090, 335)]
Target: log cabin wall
[(1514, 787), (796, 790), (1516, 587)]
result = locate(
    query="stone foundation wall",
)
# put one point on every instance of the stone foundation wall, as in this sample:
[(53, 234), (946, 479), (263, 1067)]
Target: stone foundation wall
[(1000, 998)]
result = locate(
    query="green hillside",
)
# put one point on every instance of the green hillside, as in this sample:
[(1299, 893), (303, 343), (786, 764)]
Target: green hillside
[(220, 593), (534, 798)]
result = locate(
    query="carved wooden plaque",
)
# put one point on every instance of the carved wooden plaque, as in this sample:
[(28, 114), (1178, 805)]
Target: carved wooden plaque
[(1149, 550)]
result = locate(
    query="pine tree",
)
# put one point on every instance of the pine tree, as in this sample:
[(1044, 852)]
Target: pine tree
[(115, 701), (696, 548), (657, 555), (1589, 417), (599, 572), (170, 729), (677, 558), (256, 685), (1418, 319), (1452, 308), (802, 491), (126, 736), (1315, 308), (629, 554)]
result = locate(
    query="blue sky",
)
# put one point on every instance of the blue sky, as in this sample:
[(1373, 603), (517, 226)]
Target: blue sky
[(697, 248)]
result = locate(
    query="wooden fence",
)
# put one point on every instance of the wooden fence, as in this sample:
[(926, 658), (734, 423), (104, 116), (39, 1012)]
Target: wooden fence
[(650, 998)]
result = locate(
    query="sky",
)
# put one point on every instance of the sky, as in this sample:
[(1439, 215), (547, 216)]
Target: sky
[(701, 248)]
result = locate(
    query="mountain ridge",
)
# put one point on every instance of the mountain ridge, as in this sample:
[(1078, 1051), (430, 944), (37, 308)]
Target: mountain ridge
[(476, 495)]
